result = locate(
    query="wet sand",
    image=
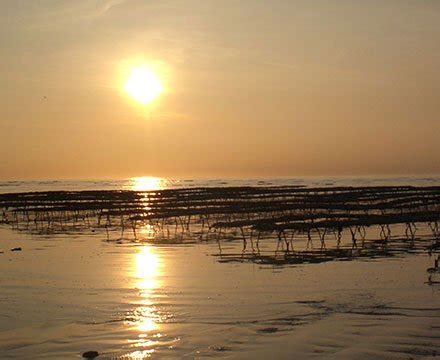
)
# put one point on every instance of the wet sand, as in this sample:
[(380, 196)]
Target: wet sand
[(66, 294)]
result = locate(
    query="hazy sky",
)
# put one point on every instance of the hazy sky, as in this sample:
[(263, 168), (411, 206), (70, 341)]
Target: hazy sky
[(252, 88)]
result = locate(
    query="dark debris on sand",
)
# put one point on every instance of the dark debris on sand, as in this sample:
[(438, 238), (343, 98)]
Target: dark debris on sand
[(90, 354)]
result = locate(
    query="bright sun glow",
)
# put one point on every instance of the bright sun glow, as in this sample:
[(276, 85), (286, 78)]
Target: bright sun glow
[(143, 85)]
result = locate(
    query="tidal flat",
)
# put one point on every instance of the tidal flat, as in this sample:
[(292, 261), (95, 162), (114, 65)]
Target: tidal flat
[(244, 272), (64, 294)]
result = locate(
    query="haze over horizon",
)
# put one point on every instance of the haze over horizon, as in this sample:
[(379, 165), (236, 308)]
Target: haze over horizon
[(249, 88)]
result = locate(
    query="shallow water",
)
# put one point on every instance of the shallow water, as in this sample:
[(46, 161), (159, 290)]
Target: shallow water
[(155, 183), (66, 294)]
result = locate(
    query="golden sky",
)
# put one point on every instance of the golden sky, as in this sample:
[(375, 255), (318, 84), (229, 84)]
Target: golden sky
[(249, 88)]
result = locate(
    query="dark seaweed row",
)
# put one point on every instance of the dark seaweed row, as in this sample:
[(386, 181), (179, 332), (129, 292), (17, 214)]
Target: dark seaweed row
[(262, 208)]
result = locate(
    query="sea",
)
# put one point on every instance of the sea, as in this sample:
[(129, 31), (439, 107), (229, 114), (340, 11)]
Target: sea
[(155, 183)]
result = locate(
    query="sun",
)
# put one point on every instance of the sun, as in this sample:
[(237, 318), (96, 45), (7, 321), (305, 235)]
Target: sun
[(143, 85)]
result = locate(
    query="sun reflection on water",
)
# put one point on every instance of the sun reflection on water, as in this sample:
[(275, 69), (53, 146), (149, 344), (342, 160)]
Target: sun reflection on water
[(147, 183), (147, 271), (147, 278)]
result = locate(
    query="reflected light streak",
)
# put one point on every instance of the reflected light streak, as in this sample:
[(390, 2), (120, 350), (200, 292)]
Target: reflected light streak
[(147, 270), (147, 183), (139, 355)]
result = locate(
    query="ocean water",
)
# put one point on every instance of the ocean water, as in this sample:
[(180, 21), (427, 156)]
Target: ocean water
[(155, 183)]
